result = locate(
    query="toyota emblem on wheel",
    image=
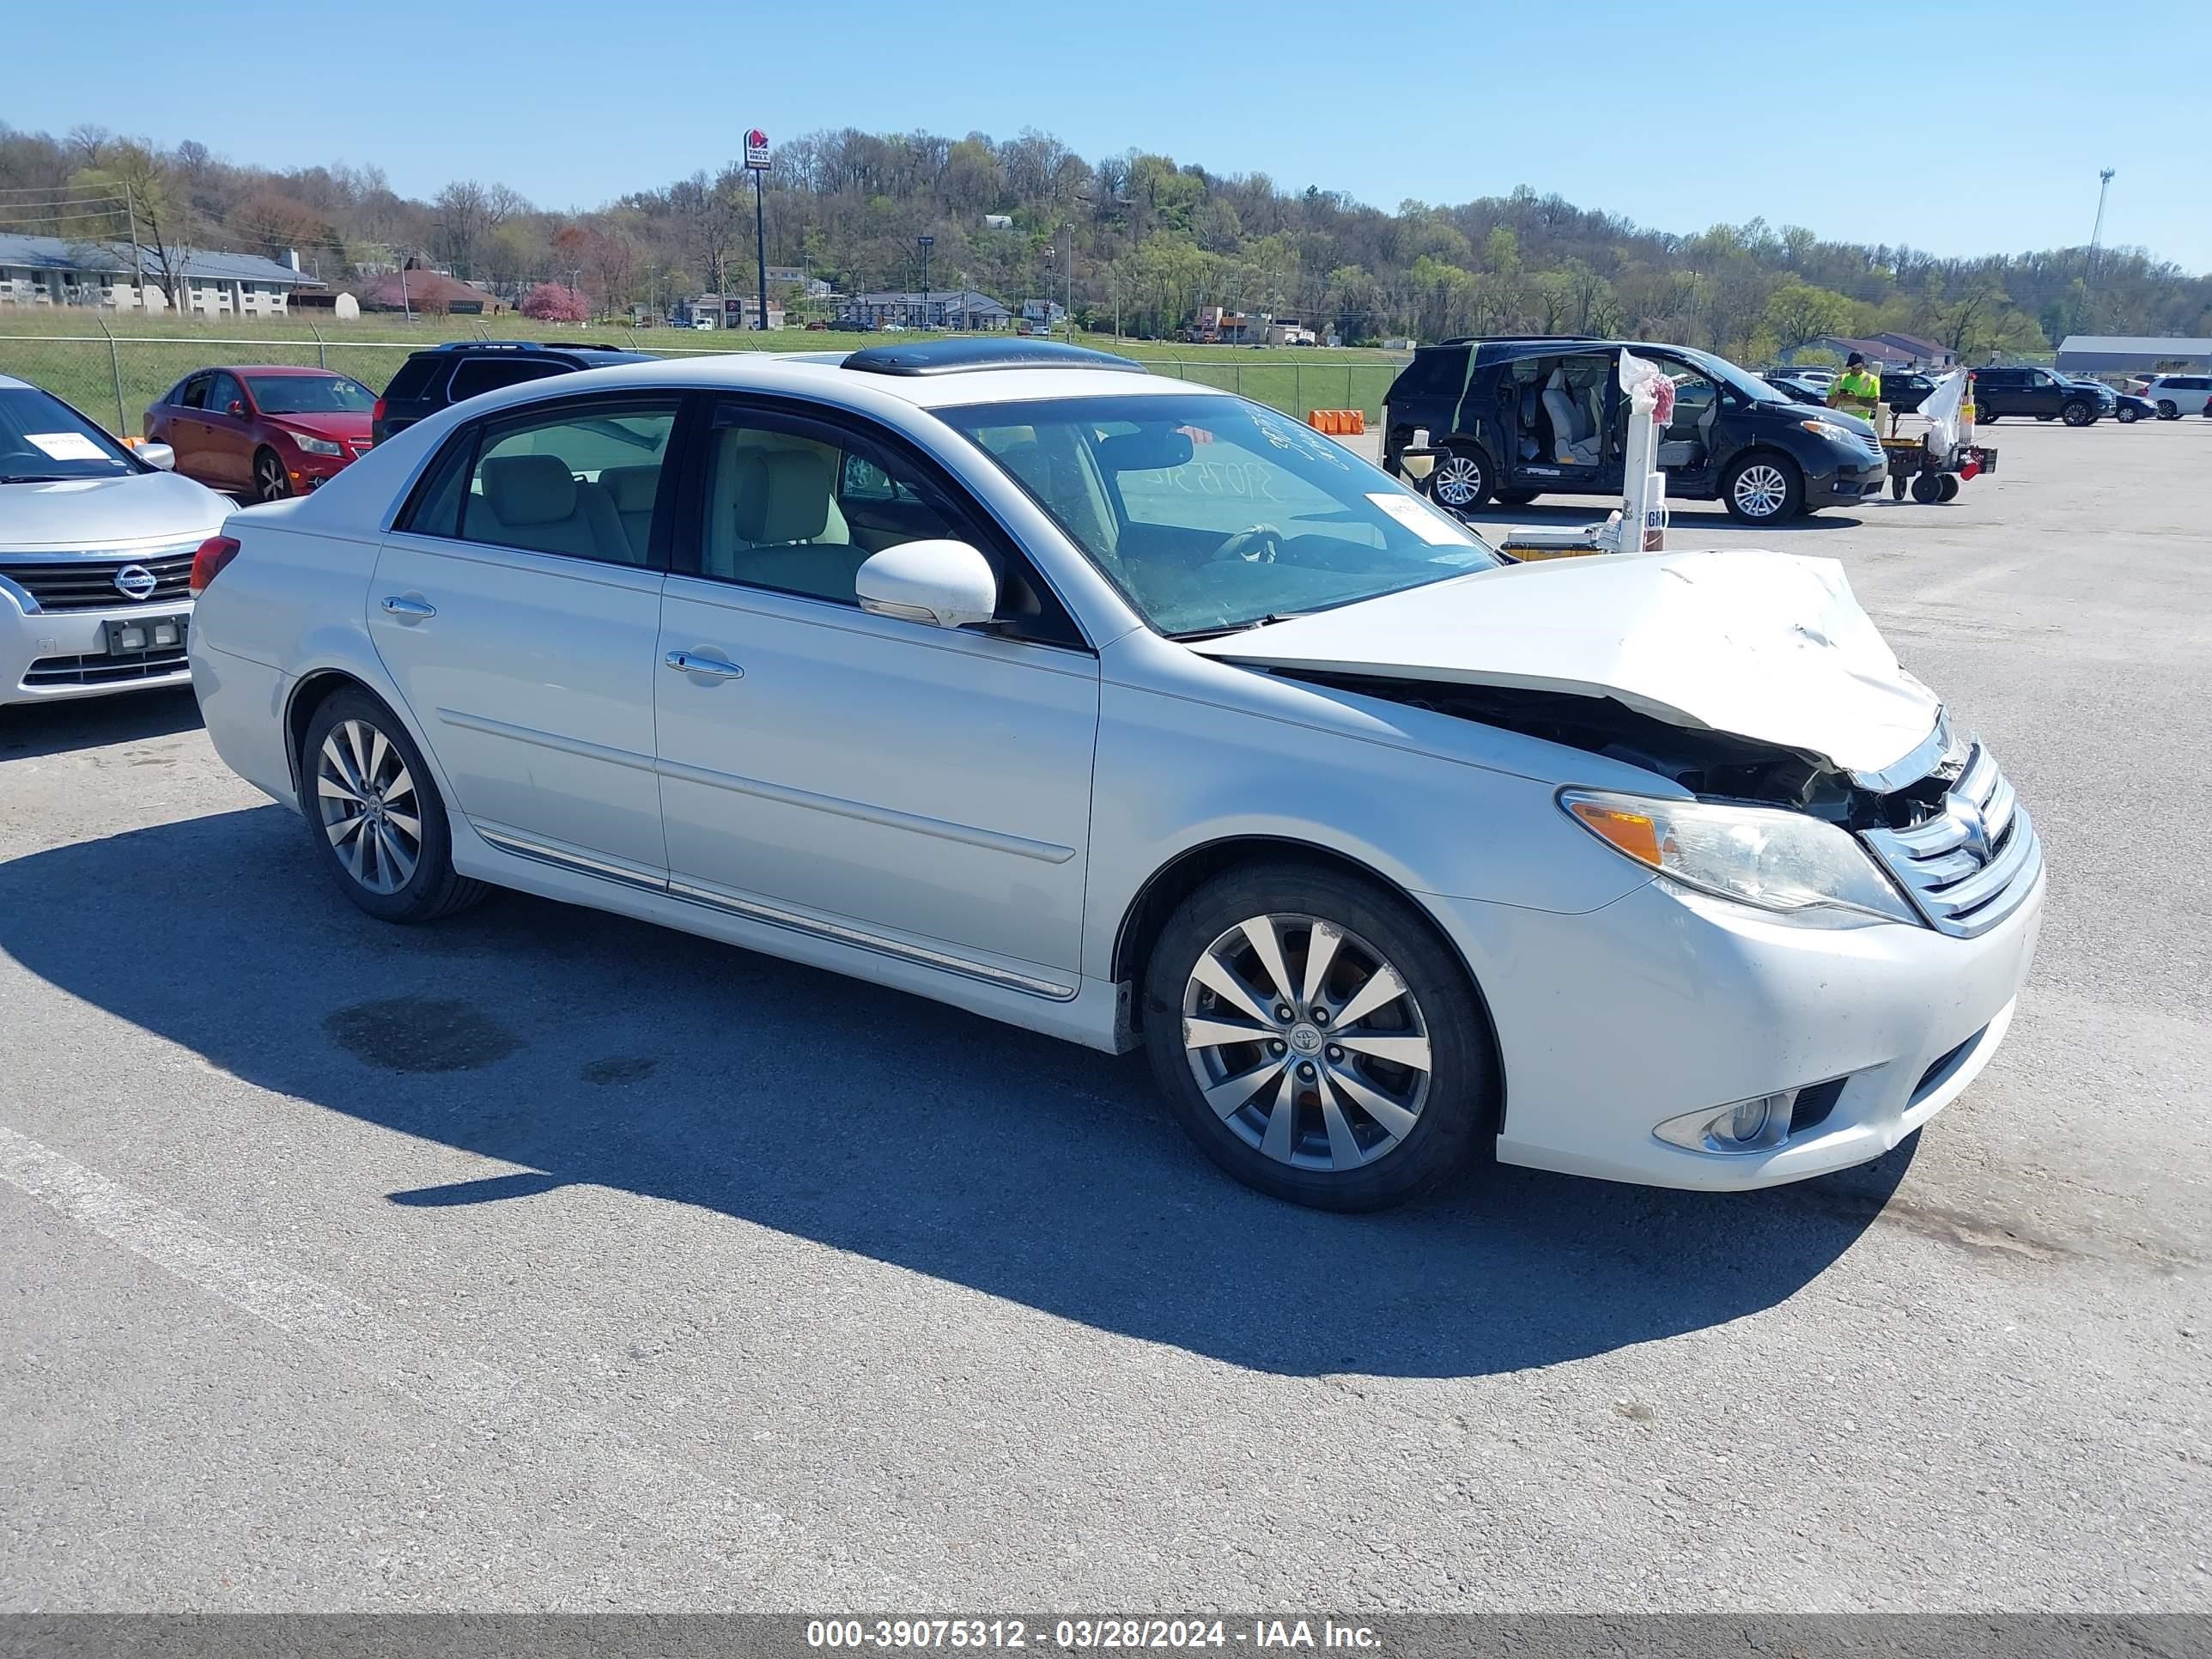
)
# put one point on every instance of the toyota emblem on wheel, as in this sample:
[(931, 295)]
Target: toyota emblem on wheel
[(135, 581)]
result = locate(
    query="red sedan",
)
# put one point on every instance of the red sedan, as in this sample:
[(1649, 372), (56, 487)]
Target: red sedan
[(263, 433)]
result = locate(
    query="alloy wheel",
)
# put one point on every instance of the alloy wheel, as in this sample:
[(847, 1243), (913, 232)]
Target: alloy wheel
[(1306, 1042), (1760, 490), (269, 481), (365, 796), (1459, 481), (2079, 415)]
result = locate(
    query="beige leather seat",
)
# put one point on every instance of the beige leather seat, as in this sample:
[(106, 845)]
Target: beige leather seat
[(631, 488), (534, 501), (773, 519)]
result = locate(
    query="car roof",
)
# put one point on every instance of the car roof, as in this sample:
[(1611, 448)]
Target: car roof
[(299, 369), (832, 377), (9, 383), (551, 347)]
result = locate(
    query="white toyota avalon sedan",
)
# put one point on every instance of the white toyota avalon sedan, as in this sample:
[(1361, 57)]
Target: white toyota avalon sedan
[(96, 543), (1138, 714)]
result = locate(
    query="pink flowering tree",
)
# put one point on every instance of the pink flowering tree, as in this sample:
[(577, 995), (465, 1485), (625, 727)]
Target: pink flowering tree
[(555, 302)]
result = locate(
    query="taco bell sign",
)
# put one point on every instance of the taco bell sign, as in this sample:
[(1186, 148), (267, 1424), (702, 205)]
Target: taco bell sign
[(756, 150)]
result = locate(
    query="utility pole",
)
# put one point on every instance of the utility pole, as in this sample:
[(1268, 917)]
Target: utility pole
[(137, 253), (1071, 281), (927, 242)]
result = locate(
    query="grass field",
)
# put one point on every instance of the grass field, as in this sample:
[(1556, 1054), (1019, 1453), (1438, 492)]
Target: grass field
[(64, 351)]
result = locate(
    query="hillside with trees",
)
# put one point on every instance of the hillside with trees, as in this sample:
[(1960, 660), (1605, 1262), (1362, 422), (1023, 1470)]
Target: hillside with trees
[(1151, 240)]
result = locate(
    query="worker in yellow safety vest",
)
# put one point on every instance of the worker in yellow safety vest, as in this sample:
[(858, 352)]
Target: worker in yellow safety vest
[(1857, 390)]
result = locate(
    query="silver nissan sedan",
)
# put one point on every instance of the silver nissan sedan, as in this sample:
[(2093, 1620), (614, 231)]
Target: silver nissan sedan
[(1137, 714)]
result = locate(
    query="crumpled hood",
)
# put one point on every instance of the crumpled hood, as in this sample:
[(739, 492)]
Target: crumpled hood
[(1767, 646), (353, 429), (100, 512)]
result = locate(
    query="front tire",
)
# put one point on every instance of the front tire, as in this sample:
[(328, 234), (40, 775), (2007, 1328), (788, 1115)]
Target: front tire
[(1461, 480), (270, 482), (1318, 1039), (1763, 489), (375, 815), (2127, 414), (2079, 414)]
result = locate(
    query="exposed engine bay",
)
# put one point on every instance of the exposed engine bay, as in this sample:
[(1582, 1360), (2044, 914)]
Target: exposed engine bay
[(1713, 765)]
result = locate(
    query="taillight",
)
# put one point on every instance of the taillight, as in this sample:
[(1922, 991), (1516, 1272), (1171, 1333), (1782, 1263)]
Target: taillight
[(214, 552), (376, 415)]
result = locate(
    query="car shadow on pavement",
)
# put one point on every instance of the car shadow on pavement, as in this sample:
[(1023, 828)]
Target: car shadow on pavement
[(587, 1049), (30, 730)]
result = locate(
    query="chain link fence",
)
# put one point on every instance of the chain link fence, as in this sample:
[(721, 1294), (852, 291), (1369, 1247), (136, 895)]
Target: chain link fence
[(113, 377)]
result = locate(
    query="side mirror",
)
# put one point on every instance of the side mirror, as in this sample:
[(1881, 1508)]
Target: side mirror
[(159, 455), (946, 584), (237, 409)]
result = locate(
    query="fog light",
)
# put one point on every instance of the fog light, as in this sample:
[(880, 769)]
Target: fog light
[(1756, 1125)]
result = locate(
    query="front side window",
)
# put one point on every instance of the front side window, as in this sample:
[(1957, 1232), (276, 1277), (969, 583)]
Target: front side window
[(580, 481), (1210, 513), (798, 506), (42, 439), (223, 391)]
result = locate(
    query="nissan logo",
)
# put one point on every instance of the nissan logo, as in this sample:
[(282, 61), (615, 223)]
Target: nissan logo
[(135, 581), (1973, 827)]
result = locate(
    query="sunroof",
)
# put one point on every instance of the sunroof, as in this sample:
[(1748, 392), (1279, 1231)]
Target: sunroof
[(965, 356)]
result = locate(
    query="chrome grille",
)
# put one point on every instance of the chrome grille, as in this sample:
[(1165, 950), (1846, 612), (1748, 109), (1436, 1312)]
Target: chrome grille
[(89, 584), (1971, 868)]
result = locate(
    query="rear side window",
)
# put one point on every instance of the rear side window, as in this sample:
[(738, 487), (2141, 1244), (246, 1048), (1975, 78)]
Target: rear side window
[(1435, 374), (415, 375), (479, 374), (580, 480)]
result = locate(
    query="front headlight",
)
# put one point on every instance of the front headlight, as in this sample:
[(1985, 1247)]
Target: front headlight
[(1797, 867), (1833, 434), (316, 446)]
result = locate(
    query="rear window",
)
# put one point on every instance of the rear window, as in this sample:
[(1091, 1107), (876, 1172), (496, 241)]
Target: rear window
[(478, 374), (414, 376)]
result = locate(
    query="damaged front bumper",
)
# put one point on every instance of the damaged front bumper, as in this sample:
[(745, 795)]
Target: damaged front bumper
[(1678, 1004)]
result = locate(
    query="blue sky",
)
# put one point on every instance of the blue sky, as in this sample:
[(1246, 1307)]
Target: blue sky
[(1677, 116)]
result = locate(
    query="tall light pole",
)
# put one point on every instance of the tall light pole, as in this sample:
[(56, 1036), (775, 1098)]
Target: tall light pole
[(927, 242), (2104, 186)]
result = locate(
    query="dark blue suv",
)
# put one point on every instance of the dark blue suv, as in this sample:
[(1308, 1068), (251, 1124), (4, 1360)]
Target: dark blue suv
[(1517, 417), (438, 375)]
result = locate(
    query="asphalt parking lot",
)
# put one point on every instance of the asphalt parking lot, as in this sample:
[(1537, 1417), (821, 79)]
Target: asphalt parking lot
[(541, 1260)]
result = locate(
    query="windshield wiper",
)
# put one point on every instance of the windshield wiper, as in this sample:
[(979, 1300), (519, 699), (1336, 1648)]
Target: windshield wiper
[(1236, 628), (37, 477)]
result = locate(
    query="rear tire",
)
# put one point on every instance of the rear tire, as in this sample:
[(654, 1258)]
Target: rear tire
[(374, 814), (1517, 497), (1928, 488), (1982, 417), (1378, 1085), (1951, 487), (2168, 410)]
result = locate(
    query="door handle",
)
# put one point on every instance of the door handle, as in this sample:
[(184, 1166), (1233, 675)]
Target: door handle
[(696, 662), (407, 609)]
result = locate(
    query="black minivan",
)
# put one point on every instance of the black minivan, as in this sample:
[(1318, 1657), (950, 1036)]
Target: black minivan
[(1528, 415)]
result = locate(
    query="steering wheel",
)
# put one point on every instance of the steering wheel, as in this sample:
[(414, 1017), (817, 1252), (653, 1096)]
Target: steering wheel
[(1258, 545)]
